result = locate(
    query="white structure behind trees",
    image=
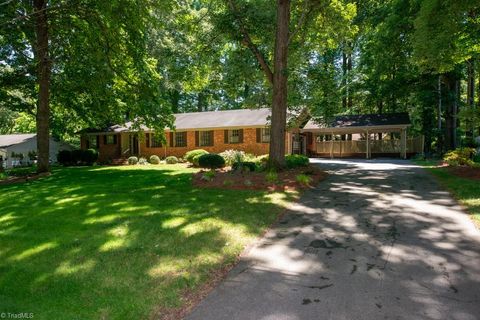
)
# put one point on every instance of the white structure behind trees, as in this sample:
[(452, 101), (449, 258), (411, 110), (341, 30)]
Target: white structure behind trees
[(21, 149)]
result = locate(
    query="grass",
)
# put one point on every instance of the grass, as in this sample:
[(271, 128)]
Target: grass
[(466, 191), (119, 242)]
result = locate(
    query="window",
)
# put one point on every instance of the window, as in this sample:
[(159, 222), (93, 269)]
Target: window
[(179, 139), (154, 140), (110, 139), (205, 138), (265, 135), (92, 142), (234, 136)]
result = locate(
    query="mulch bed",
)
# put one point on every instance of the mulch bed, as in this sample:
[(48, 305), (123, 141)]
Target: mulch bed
[(30, 177), (228, 179), (466, 172)]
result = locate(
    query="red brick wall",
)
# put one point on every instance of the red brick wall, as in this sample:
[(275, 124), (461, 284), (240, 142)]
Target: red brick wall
[(106, 151), (249, 145)]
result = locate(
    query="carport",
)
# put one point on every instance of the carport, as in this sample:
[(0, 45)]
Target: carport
[(366, 135)]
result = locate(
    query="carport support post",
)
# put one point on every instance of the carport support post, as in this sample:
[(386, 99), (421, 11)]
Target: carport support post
[(331, 147), (368, 145), (403, 148)]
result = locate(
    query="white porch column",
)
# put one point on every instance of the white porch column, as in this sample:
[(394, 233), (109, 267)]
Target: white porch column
[(403, 148), (331, 147), (368, 146)]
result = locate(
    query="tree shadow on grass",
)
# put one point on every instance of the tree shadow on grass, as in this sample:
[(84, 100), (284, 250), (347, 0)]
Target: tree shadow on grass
[(116, 243)]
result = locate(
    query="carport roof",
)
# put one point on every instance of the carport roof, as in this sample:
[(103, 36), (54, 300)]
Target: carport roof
[(362, 121)]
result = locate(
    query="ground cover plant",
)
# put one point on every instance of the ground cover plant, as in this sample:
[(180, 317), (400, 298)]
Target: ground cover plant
[(462, 182), (128, 242)]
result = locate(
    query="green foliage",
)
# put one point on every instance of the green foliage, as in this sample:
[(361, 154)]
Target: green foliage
[(171, 160), (154, 159), (296, 160), (89, 156), (245, 165), (208, 176), (142, 161), (132, 160), (460, 157), (211, 161), (271, 177), (64, 157), (233, 156), (193, 153), (303, 179)]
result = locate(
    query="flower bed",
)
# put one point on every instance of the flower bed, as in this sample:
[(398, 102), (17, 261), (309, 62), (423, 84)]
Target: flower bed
[(292, 179)]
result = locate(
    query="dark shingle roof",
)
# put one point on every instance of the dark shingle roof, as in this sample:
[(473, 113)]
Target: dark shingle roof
[(363, 120)]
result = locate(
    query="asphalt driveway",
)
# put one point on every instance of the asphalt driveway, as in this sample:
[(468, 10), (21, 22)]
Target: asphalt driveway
[(376, 240)]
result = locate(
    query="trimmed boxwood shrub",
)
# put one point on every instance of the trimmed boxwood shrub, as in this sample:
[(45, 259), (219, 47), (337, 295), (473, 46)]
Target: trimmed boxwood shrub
[(77, 157), (171, 160), (132, 160), (64, 157), (296, 160), (89, 156), (211, 161), (251, 166), (193, 153), (154, 159)]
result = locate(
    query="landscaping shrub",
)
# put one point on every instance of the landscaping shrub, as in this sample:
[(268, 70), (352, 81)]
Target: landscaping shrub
[(208, 176), (195, 159), (132, 160), (250, 166), (64, 157), (271, 177), (154, 159), (76, 157), (193, 153), (303, 179), (171, 160), (211, 161), (460, 157), (296, 160), (142, 161), (233, 156), (89, 157)]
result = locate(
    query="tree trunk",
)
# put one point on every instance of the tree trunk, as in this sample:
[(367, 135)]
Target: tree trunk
[(44, 69), (349, 71), (175, 100), (280, 77), (450, 110), (200, 102), (344, 80), (439, 117), (470, 96)]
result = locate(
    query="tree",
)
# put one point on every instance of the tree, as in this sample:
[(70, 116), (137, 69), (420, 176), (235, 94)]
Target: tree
[(85, 59)]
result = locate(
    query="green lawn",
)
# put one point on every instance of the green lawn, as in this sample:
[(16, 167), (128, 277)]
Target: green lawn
[(119, 242), (467, 191)]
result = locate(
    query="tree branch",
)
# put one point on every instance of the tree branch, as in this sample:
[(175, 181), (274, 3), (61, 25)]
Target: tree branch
[(247, 41)]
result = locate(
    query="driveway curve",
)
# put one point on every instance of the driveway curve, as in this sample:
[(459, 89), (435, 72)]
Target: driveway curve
[(375, 240)]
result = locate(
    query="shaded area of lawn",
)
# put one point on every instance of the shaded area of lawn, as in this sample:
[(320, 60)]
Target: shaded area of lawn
[(119, 242), (467, 191)]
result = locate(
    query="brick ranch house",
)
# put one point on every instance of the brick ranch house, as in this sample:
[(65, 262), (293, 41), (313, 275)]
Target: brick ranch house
[(214, 131), (248, 130)]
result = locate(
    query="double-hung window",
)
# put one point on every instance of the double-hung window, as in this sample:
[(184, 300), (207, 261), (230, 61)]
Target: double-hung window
[(265, 135), (205, 138), (179, 139)]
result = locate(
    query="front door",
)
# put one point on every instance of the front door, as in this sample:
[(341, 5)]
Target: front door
[(134, 144)]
